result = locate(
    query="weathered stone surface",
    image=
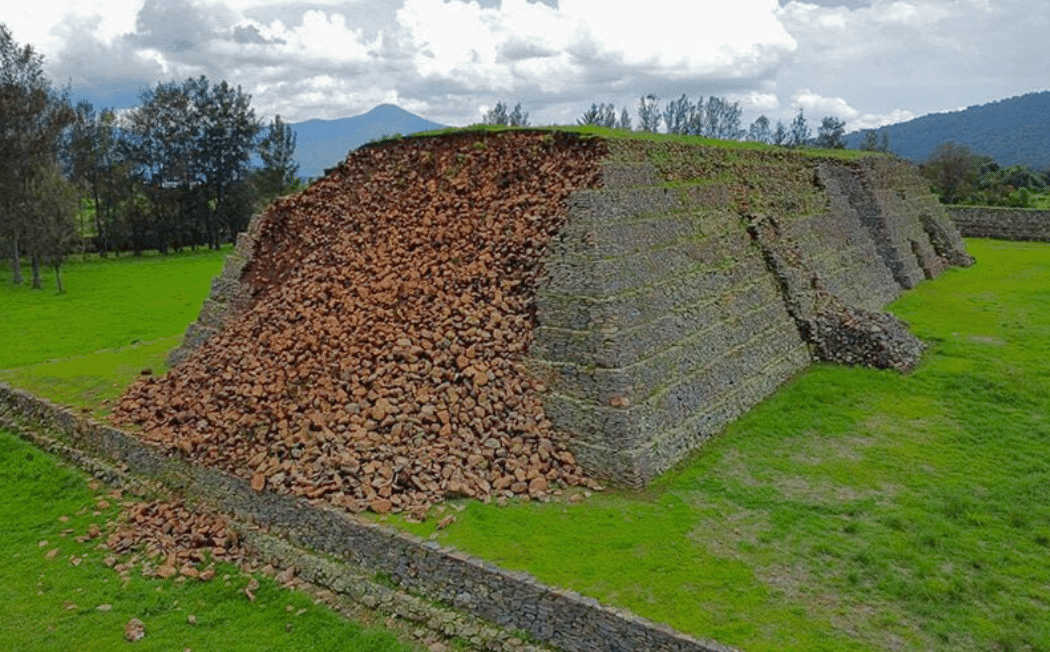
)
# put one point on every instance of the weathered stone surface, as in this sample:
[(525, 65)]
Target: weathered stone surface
[(437, 309), (853, 336), (1001, 222), (682, 296)]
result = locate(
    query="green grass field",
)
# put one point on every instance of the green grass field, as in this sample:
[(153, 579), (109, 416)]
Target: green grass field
[(57, 594), (117, 317), (81, 349), (853, 510)]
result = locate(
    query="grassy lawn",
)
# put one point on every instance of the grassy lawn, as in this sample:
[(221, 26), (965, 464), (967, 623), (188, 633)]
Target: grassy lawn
[(57, 594), (853, 510), (82, 348), (109, 303), (117, 317)]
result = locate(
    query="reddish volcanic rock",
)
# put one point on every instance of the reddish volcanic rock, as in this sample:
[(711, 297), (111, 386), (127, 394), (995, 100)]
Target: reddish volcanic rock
[(380, 362)]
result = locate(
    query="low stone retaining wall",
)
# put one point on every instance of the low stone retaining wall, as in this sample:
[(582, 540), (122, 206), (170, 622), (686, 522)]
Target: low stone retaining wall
[(514, 601), (1001, 223)]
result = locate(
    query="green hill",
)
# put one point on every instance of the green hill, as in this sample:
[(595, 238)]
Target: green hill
[(1013, 131)]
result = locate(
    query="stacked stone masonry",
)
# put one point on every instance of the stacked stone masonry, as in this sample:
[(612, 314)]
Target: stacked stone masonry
[(1001, 222), (662, 318), (228, 296), (692, 281)]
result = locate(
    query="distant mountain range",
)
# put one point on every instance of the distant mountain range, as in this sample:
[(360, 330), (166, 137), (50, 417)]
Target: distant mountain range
[(322, 144), (1014, 131)]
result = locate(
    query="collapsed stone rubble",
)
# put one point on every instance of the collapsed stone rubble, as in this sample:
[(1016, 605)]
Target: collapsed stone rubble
[(379, 364)]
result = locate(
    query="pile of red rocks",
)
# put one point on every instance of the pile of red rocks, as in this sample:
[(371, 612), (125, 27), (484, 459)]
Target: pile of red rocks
[(170, 539), (380, 364)]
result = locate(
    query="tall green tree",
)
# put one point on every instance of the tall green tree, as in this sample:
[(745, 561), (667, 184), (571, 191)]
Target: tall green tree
[(677, 114), (225, 142), (952, 171), (649, 113), (759, 131), (519, 118), (279, 174), (601, 115), (875, 140), (722, 119), (94, 160), (696, 118), (780, 134), (500, 115), (32, 118), (831, 133), (799, 132), (625, 120), (191, 143), (52, 231), (161, 140)]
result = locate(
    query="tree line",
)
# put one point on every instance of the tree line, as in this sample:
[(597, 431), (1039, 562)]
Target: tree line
[(716, 118), (173, 172), (958, 175)]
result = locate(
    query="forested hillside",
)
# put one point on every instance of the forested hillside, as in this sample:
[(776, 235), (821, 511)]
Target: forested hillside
[(1013, 131)]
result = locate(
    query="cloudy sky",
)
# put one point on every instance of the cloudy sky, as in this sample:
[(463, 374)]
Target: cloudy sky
[(869, 62)]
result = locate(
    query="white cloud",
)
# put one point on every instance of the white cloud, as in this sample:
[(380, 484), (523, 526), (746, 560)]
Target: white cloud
[(445, 58), (923, 54), (322, 37), (757, 102), (523, 43), (816, 107), (446, 54), (745, 41), (106, 20), (876, 120), (911, 14)]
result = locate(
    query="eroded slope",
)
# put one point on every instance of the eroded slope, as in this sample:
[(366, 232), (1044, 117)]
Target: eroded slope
[(379, 363)]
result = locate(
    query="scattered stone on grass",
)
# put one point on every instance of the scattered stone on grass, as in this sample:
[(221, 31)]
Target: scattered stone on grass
[(185, 542), (135, 630)]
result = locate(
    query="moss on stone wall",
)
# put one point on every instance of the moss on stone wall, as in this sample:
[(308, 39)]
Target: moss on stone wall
[(707, 275), (695, 277)]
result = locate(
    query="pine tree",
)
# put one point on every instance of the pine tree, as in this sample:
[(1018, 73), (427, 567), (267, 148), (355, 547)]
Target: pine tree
[(830, 134), (799, 133), (649, 114), (280, 173)]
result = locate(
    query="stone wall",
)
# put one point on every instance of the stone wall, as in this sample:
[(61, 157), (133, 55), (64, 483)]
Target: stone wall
[(1001, 222), (227, 298), (513, 601), (658, 325), (697, 280)]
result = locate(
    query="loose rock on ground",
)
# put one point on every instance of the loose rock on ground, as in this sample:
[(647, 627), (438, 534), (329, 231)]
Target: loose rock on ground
[(380, 363)]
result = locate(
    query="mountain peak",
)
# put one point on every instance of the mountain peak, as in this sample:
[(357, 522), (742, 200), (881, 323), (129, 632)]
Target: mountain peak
[(321, 144)]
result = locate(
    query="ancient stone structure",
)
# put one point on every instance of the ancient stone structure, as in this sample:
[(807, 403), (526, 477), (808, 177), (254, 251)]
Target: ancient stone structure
[(690, 281), (228, 296), (1001, 222), (678, 290), (696, 280)]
